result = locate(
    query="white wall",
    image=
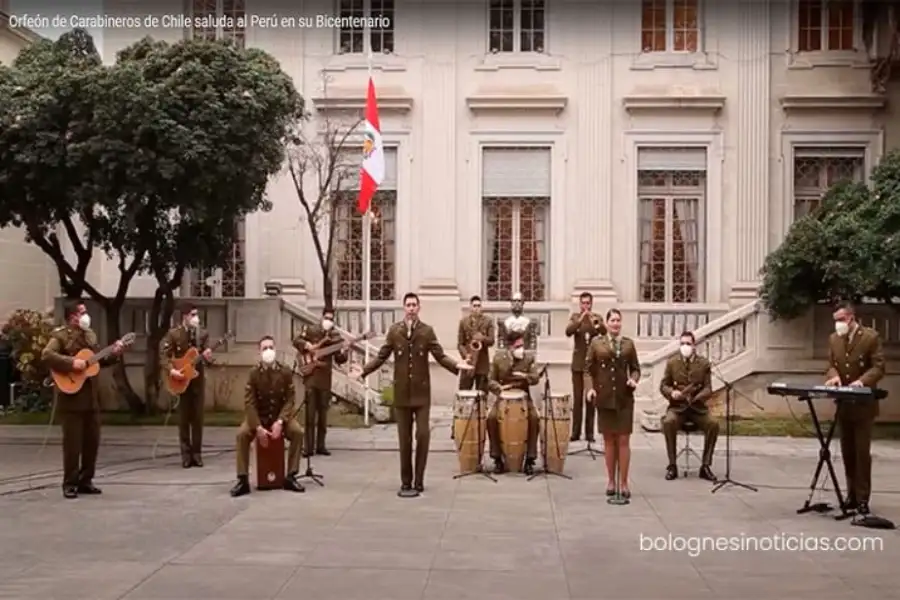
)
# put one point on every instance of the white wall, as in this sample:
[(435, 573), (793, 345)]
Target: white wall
[(727, 99)]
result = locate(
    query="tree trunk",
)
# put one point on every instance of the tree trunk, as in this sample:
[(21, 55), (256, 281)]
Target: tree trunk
[(160, 316), (120, 377), (328, 290)]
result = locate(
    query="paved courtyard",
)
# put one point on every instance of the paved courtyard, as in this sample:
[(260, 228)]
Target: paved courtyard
[(159, 531)]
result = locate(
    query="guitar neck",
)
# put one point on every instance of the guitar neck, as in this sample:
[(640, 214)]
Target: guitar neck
[(335, 347)]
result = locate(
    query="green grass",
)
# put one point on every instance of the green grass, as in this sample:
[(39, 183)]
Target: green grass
[(336, 418), (801, 427)]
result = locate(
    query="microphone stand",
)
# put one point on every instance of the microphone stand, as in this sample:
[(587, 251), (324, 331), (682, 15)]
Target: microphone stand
[(588, 405), (547, 409), (729, 417), (309, 473)]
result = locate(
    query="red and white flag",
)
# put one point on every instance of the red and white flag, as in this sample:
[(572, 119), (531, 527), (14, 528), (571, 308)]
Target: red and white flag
[(372, 172)]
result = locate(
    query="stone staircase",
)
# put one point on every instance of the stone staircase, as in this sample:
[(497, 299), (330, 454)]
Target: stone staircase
[(731, 344), (367, 396)]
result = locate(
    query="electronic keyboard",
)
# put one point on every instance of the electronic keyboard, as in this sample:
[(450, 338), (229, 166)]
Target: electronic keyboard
[(838, 392)]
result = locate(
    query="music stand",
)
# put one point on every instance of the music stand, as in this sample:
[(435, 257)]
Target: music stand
[(729, 417), (479, 468), (309, 473), (545, 467)]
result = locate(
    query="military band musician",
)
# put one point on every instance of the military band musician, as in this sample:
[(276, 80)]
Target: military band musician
[(269, 413), (583, 326), (513, 369), (474, 338)]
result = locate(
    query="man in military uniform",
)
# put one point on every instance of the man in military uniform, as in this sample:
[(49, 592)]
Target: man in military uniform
[(269, 414), (687, 385), (410, 342), (517, 321), (513, 369), (583, 327), (474, 329), (79, 412), (318, 384), (855, 358), (175, 344)]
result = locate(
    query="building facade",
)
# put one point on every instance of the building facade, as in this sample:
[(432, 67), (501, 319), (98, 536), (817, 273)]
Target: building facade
[(27, 278)]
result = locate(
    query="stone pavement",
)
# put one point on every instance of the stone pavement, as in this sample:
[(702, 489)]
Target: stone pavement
[(163, 532)]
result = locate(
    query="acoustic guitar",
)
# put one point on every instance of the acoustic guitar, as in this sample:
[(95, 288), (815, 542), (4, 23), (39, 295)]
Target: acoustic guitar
[(188, 365), (308, 361), (71, 383)]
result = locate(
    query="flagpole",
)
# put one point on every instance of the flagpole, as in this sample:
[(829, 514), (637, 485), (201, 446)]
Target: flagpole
[(367, 278)]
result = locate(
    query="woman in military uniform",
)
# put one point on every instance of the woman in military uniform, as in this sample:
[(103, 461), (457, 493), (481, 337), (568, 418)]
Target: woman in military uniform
[(612, 373)]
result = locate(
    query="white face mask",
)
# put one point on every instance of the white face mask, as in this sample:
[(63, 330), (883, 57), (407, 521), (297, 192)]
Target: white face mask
[(519, 353), (194, 321), (84, 321), (841, 328), (327, 324), (268, 356), (686, 350)]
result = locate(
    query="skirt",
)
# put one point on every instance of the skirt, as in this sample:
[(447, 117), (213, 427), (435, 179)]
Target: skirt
[(616, 420)]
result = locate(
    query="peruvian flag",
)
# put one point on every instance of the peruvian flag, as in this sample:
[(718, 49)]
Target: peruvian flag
[(372, 173)]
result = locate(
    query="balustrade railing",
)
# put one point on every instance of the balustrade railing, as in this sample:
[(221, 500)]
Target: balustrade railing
[(721, 341), (668, 322)]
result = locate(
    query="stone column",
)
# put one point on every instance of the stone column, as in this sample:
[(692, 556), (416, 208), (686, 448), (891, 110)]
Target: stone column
[(753, 133), (591, 202)]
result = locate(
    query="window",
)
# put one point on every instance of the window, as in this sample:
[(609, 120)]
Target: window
[(516, 217), (229, 281), (671, 196), (670, 26), (826, 25), (366, 25), (516, 26), (225, 20), (348, 243), (817, 169)]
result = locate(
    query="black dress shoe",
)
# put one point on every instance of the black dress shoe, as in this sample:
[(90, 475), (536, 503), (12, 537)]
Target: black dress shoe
[(292, 485), (671, 472), (529, 466), (241, 488), (707, 474), (89, 489), (406, 491), (419, 487), (499, 467), (626, 494), (306, 454), (863, 508), (187, 463), (574, 438), (610, 491), (850, 504), (323, 452), (70, 492), (197, 461)]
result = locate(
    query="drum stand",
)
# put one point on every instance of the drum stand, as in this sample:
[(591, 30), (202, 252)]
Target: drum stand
[(545, 468), (479, 469)]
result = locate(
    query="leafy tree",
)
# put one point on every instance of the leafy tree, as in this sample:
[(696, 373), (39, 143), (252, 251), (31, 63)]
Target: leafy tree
[(209, 131), (150, 160), (848, 248), (321, 169)]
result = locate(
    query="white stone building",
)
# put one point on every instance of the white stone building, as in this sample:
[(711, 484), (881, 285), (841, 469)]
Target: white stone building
[(651, 152)]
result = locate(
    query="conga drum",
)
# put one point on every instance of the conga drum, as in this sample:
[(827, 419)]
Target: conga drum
[(469, 428), (512, 415), (556, 428)]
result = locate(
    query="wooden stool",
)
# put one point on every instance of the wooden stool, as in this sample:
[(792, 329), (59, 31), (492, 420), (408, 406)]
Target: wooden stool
[(270, 465)]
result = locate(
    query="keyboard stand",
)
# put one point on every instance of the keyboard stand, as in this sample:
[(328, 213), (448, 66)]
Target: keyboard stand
[(824, 460)]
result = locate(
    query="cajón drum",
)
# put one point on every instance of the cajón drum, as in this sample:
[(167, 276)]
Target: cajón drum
[(556, 427), (270, 465), (469, 428), (512, 416)]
